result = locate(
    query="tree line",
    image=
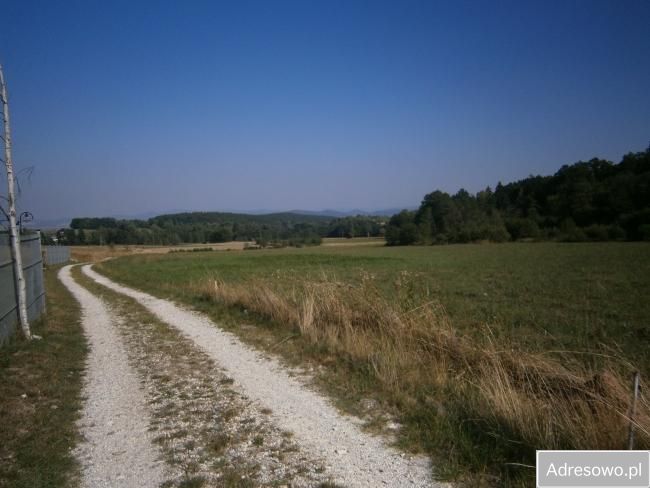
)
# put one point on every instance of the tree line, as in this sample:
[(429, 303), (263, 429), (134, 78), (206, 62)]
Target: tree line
[(596, 200), (586, 201), (292, 229)]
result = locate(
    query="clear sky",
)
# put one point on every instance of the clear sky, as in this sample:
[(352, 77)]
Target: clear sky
[(129, 107)]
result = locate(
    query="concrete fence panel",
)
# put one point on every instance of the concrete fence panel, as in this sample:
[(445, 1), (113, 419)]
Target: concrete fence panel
[(56, 254), (33, 270)]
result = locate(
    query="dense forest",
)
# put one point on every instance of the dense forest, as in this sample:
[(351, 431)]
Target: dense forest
[(586, 201), (213, 227)]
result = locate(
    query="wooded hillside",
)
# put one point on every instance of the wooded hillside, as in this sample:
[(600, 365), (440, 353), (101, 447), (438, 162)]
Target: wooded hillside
[(595, 200), (204, 227)]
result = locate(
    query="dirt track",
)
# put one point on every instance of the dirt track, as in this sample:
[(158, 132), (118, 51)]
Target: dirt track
[(117, 449), (348, 455)]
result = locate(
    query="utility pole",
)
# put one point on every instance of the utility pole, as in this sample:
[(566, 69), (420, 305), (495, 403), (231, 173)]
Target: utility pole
[(14, 236)]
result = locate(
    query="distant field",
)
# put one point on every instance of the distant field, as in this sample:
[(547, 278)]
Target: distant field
[(484, 353), (356, 241), (97, 253), (576, 296)]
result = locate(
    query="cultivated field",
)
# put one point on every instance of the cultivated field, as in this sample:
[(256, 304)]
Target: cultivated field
[(94, 254), (483, 352), (98, 253)]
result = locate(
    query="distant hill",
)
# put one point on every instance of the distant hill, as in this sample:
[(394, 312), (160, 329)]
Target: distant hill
[(228, 217), (284, 228), (354, 212)]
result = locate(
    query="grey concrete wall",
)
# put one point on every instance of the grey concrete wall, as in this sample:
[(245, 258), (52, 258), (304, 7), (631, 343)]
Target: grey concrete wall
[(56, 254), (33, 270)]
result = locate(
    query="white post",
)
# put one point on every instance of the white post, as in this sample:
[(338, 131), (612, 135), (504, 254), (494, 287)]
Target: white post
[(13, 232)]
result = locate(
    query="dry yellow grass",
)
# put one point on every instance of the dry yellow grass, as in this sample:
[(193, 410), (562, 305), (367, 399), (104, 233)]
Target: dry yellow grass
[(548, 401)]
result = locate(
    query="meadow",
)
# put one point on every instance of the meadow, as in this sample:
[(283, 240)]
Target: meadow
[(483, 353)]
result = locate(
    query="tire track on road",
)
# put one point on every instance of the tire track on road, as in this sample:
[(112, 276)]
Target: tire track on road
[(117, 449), (353, 457)]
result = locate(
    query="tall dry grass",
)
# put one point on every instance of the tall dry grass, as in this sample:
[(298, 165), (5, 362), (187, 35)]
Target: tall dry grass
[(546, 400)]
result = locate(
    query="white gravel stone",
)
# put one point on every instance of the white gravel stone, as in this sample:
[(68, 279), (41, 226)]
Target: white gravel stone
[(319, 428), (116, 451)]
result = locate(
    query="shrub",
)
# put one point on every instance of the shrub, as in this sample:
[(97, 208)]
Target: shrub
[(616, 233), (597, 232), (570, 232), (522, 228), (497, 233), (644, 232)]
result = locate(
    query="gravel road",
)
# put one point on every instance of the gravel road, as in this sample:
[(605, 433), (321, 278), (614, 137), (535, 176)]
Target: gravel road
[(117, 449), (352, 457)]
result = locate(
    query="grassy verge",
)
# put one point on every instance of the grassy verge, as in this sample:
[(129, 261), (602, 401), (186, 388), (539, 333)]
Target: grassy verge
[(482, 399), (40, 388), (459, 343)]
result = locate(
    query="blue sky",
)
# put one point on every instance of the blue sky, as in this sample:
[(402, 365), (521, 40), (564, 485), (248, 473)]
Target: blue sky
[(130, 107)]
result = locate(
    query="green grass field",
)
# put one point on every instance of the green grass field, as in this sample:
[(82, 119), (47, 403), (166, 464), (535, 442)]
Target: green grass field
[(543, 337), (543, 295)]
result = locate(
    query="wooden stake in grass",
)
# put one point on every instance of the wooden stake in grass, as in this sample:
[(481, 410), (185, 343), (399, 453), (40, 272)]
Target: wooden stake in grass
[(635, 397), (14, 237)]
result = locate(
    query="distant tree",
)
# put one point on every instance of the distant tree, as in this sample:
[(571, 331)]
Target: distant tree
[(401, 229), (644, 232), (67, 236), (522, 228), (392, 235), (408, 234), (425, 224), (47, 239)]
